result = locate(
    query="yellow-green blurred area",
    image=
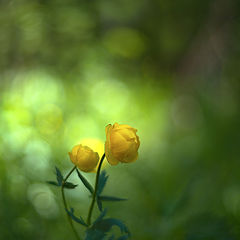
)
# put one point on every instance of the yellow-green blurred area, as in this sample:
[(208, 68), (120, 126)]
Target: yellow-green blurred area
[(170, 69)]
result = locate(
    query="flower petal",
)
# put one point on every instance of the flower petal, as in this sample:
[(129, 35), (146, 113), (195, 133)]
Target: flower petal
[(109, 155), (107, 129)]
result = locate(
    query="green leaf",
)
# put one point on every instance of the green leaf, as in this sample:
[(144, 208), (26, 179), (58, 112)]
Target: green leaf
[(105, 225), (102, 182), (85, 182), (59, 176), (107, 198), (69, 185), (124, 237), (111, 198), (94, 234), (101, 227), (99, 204), (101, 216), (76, 219), (53, 183)]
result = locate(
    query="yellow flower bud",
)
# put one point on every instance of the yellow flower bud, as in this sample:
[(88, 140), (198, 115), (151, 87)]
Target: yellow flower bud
[(84, 158), (121, 144)]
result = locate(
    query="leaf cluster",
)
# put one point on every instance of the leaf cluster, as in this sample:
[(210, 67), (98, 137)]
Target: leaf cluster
[(100, 228), (60, 181)]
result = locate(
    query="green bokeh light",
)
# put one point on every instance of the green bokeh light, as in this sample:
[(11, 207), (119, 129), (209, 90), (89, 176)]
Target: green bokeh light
[(168, 69)]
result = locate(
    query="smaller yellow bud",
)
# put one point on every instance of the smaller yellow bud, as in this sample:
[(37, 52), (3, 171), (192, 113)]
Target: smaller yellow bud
[(84, 158)]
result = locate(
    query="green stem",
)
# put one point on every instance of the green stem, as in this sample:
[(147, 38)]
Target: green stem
[(95, 191), (65, 202)]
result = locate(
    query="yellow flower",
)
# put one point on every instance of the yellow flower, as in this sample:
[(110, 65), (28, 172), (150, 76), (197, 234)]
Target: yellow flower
[(96, 145), (121, 144), (84, 158)]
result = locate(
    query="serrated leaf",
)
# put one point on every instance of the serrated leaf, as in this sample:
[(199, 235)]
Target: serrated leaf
[(99, 204), (101, 216), (105, 225), (94, 234), (59, 176), (111, 198), (85, 182), (76, 219), (102, 226), (69, 185), (53, 183), (102, 182)]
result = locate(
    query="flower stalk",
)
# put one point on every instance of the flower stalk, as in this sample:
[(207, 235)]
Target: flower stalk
[(121, 146), (65, 203), (95, 191)]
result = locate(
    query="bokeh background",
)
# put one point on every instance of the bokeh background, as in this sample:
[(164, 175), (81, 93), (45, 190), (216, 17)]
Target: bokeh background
[(168, 68)]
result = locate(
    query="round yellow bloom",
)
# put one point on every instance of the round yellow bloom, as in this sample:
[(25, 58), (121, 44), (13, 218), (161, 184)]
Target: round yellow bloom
[(84, 158), (121, 144), (96, 145)]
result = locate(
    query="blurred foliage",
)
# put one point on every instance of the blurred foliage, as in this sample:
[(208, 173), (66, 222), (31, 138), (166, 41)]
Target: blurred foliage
[(168, 68)]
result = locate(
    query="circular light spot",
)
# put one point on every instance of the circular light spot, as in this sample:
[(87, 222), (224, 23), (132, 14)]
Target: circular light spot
[(81, 125), (110, 98), (49, 119), (43, 200), (36, 160)]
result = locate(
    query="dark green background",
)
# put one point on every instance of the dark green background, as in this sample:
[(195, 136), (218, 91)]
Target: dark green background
[(168, 68)]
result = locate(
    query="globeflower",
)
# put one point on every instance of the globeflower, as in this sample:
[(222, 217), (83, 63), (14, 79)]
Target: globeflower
[(121, 144), (84, 158)]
